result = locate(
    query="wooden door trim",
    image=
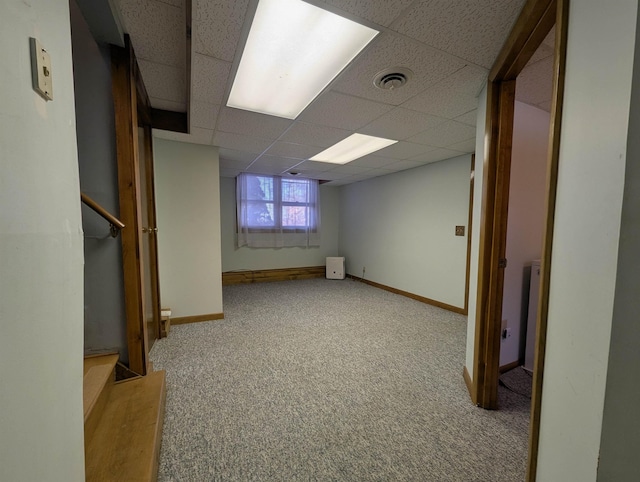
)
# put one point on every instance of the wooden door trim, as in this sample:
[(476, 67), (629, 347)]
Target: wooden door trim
[(125, 100), (153, 225), (559, 68), (472, 175), (493, 241)]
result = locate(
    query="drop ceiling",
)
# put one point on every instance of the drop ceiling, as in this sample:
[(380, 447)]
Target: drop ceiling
[(449, 45)]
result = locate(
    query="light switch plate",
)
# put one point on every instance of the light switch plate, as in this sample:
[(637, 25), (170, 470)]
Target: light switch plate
[(459, 230), (41, 70)]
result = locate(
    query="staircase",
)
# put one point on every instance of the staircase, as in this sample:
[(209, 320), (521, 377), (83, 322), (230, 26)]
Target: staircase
[(122, 422)]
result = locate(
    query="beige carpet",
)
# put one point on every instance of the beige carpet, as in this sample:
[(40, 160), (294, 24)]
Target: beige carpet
[(330, 380)]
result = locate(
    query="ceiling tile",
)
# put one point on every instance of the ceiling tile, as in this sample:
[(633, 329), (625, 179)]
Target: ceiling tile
[(236, 165), (338, 182), (240, 143), (315, 166), (157, 30), (204, 114), (343, 111), (248, 123), (534, 85), (314, 135), (438, 155), (467, 146), (349, 169), (295, 151), (164, 81), (197, 136), (402, 165), (218, 26), (400, 124), (542, 53), (428, 65), (470, 118), (333, 175), (452, 97), (382, 13), (550, 39), (240, 157), (168, 105), (372, 161), (225, 172), (309, 174), (404, 150), (474, 31), (277, 164), (445, 134), (209, 79), (545, 106)]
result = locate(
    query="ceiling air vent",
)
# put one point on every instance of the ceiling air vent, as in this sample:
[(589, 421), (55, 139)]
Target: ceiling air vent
[(392, 79)]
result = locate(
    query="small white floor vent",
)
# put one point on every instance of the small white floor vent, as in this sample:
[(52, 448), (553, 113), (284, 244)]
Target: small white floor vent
[(335, 268)]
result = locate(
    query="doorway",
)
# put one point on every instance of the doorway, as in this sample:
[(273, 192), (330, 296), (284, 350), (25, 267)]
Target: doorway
[(137, 205), (536, 20)]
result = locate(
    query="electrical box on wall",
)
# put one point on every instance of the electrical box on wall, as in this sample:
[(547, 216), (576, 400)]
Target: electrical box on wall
[(41, 70)]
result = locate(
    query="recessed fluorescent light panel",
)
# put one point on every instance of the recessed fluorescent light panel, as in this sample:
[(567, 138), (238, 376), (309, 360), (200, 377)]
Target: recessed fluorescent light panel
[(293, 51), (351, 148)]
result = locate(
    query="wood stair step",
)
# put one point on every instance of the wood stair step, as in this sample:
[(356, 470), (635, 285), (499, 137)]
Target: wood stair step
[(99, 377), (126, 442)]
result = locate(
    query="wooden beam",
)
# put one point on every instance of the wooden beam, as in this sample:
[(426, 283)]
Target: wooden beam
[(167, 120), (126, 123)]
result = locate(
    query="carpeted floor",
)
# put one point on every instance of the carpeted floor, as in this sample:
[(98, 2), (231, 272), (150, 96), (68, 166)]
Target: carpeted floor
[(327, 380), (519, 381)]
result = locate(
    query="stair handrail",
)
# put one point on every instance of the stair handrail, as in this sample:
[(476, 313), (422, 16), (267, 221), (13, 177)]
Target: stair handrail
[(115, 225)]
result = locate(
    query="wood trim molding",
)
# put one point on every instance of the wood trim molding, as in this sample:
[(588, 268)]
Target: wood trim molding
[(413, 296), (469, 383), (559, 68), (123, 84), (472, 176), (264, 275), (510, 366), (524, 40), (183, 320)]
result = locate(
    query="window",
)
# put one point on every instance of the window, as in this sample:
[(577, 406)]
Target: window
[(275, 212)]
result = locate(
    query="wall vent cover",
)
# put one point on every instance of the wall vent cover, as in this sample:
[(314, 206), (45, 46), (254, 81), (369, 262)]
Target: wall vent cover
[(392, 79)]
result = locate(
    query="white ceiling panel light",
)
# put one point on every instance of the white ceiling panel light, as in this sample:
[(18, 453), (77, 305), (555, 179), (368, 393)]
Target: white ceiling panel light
[(293, 51), (351, 148)]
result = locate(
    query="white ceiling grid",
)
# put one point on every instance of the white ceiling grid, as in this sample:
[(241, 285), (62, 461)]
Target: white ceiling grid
[(449, 45)]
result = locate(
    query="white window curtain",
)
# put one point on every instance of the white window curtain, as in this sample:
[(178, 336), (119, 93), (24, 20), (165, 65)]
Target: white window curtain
[(277, 212)]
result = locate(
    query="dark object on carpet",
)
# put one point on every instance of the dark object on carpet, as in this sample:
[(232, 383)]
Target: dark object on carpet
[(519, 381)]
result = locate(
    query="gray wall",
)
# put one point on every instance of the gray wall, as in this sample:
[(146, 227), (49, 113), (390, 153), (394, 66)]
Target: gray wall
[(104, 309), (620, 442), (401, 228), (41, 422), (593, 148), (187, 180), (234, 259)]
